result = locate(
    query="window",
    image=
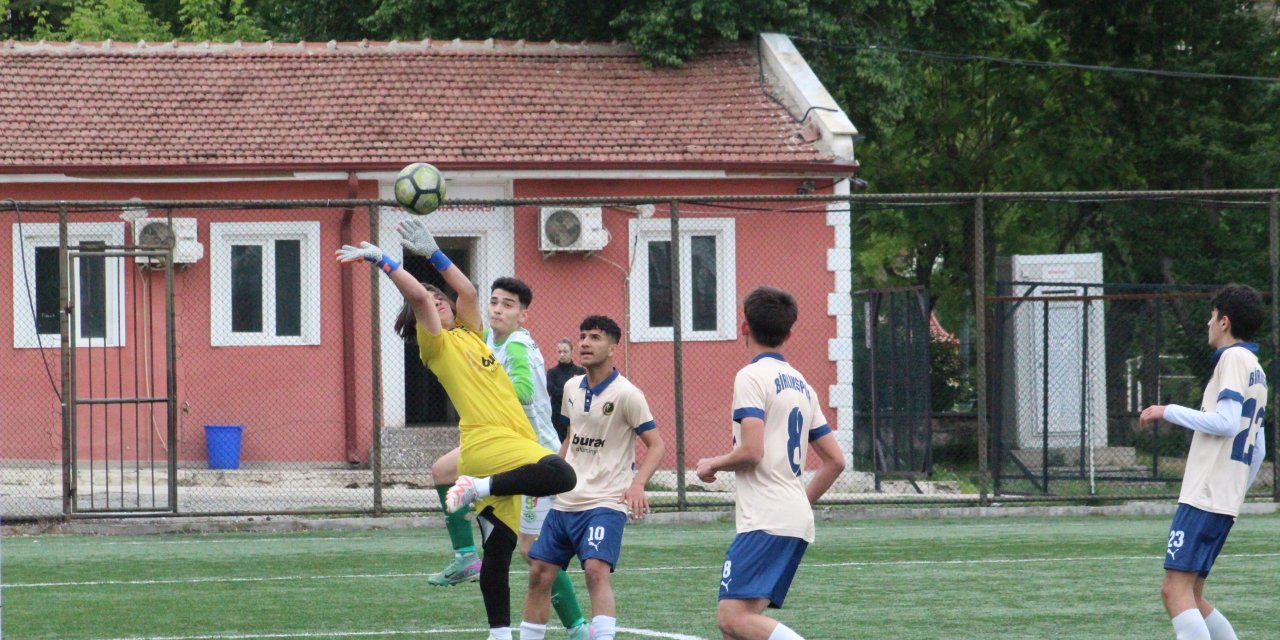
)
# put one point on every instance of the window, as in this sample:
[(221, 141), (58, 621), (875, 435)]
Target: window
[(98, 286), (265, 287), (708, 279)]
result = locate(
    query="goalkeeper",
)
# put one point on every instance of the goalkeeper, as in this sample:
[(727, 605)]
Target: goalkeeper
[(497, 443)]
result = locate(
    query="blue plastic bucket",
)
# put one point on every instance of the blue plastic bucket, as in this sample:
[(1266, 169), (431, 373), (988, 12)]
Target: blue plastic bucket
[(223, 442)]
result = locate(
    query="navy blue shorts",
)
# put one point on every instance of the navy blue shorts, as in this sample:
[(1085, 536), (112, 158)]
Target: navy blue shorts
[(760, 565), (595, 533), (1195, 539)]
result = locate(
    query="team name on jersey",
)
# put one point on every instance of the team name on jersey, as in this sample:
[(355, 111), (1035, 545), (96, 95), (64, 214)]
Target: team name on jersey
[(784, 381), (1257, 377), (588, 442)]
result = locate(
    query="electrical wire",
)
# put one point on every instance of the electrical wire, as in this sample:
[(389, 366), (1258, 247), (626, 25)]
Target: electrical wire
[(31, 304), (970, 57)]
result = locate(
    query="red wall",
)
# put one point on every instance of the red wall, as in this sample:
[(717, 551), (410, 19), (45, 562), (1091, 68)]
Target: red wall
[(289, 398), (784, 249)]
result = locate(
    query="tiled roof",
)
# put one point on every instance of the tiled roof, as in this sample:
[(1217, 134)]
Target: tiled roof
[(109, 106)]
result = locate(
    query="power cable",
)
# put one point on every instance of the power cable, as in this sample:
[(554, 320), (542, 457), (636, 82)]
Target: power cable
[(971, 57)]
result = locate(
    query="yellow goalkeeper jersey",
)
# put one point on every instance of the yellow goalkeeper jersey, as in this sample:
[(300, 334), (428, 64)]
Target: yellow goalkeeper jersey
[(475, 381)]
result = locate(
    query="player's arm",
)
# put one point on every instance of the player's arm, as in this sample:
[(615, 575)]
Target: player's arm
[(749, 400), (415, 295), (748, 453), (635, 498), (415, 238), (1223, 421), (563, 419), (831, 466), (468, 304), (520, 371)]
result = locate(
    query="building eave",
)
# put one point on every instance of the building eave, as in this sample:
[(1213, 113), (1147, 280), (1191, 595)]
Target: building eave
[(287, 171)]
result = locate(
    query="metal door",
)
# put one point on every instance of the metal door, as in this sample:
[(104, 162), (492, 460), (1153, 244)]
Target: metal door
[(118, 379)]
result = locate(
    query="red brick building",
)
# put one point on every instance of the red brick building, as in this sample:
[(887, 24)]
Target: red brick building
[(110, 121)]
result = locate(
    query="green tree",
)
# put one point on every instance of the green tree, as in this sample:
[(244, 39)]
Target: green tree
[(665, 32), (96, 20), (219, 21), (315, 20)]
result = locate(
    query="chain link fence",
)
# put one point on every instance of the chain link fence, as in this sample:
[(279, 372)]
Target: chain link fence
[(1077, 364), (214, 358)]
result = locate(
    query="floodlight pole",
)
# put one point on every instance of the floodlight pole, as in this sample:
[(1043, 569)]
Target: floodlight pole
[(979, 286)]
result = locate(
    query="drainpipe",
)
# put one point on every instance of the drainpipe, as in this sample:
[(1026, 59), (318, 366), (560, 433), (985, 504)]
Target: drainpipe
[(348, 334)]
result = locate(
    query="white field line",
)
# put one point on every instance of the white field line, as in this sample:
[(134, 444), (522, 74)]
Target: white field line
[(900, 563), (366, 634), (200, 541), (102, 583), (807, 565), (307, 634)]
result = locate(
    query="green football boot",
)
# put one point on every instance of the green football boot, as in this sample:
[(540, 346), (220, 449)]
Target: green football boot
[(464, 567)]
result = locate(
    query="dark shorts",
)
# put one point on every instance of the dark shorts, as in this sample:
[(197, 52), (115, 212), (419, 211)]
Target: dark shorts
[(595, 533), (760, 565), (1195, 539)]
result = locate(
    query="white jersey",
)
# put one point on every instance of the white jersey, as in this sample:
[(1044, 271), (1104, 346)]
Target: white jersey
[(538, 410), (1217, 472), (604, 421), (771, 495)]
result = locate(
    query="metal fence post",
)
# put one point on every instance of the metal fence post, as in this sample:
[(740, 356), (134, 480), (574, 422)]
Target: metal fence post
[(1274, 215), (171, 380), (677, 355), (1086, 443), (345, 289), (1044, 399), (980, 345), (64, 321), (375, 306), (1157, 350)]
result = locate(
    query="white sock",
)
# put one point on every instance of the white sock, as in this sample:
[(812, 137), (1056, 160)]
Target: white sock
[(1189, 625), (531, 631), (482, 487), (500, 633), (783, 632), (1219, 626), (603, 627)]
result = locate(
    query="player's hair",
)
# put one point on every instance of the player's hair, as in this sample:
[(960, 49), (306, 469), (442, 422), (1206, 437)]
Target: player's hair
[(1243, 304), (565, 341), (514, 285), (604, 324), (770, 314), (407, 323)]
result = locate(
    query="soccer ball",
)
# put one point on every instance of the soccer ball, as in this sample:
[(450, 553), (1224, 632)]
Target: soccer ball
[(420, 188)]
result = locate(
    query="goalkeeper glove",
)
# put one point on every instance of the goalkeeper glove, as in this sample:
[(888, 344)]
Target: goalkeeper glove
[(370, 252)]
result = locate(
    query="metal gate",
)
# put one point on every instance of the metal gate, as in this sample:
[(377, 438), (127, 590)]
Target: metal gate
[(1076, 364), (119, 416), (892, 384)]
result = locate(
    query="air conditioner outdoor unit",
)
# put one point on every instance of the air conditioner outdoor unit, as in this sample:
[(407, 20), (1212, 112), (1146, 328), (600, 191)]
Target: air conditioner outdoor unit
[(156, 232), (572, 229)]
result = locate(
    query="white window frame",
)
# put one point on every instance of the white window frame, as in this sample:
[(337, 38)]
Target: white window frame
[(26, 238), (643, 231), (222, 235)]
